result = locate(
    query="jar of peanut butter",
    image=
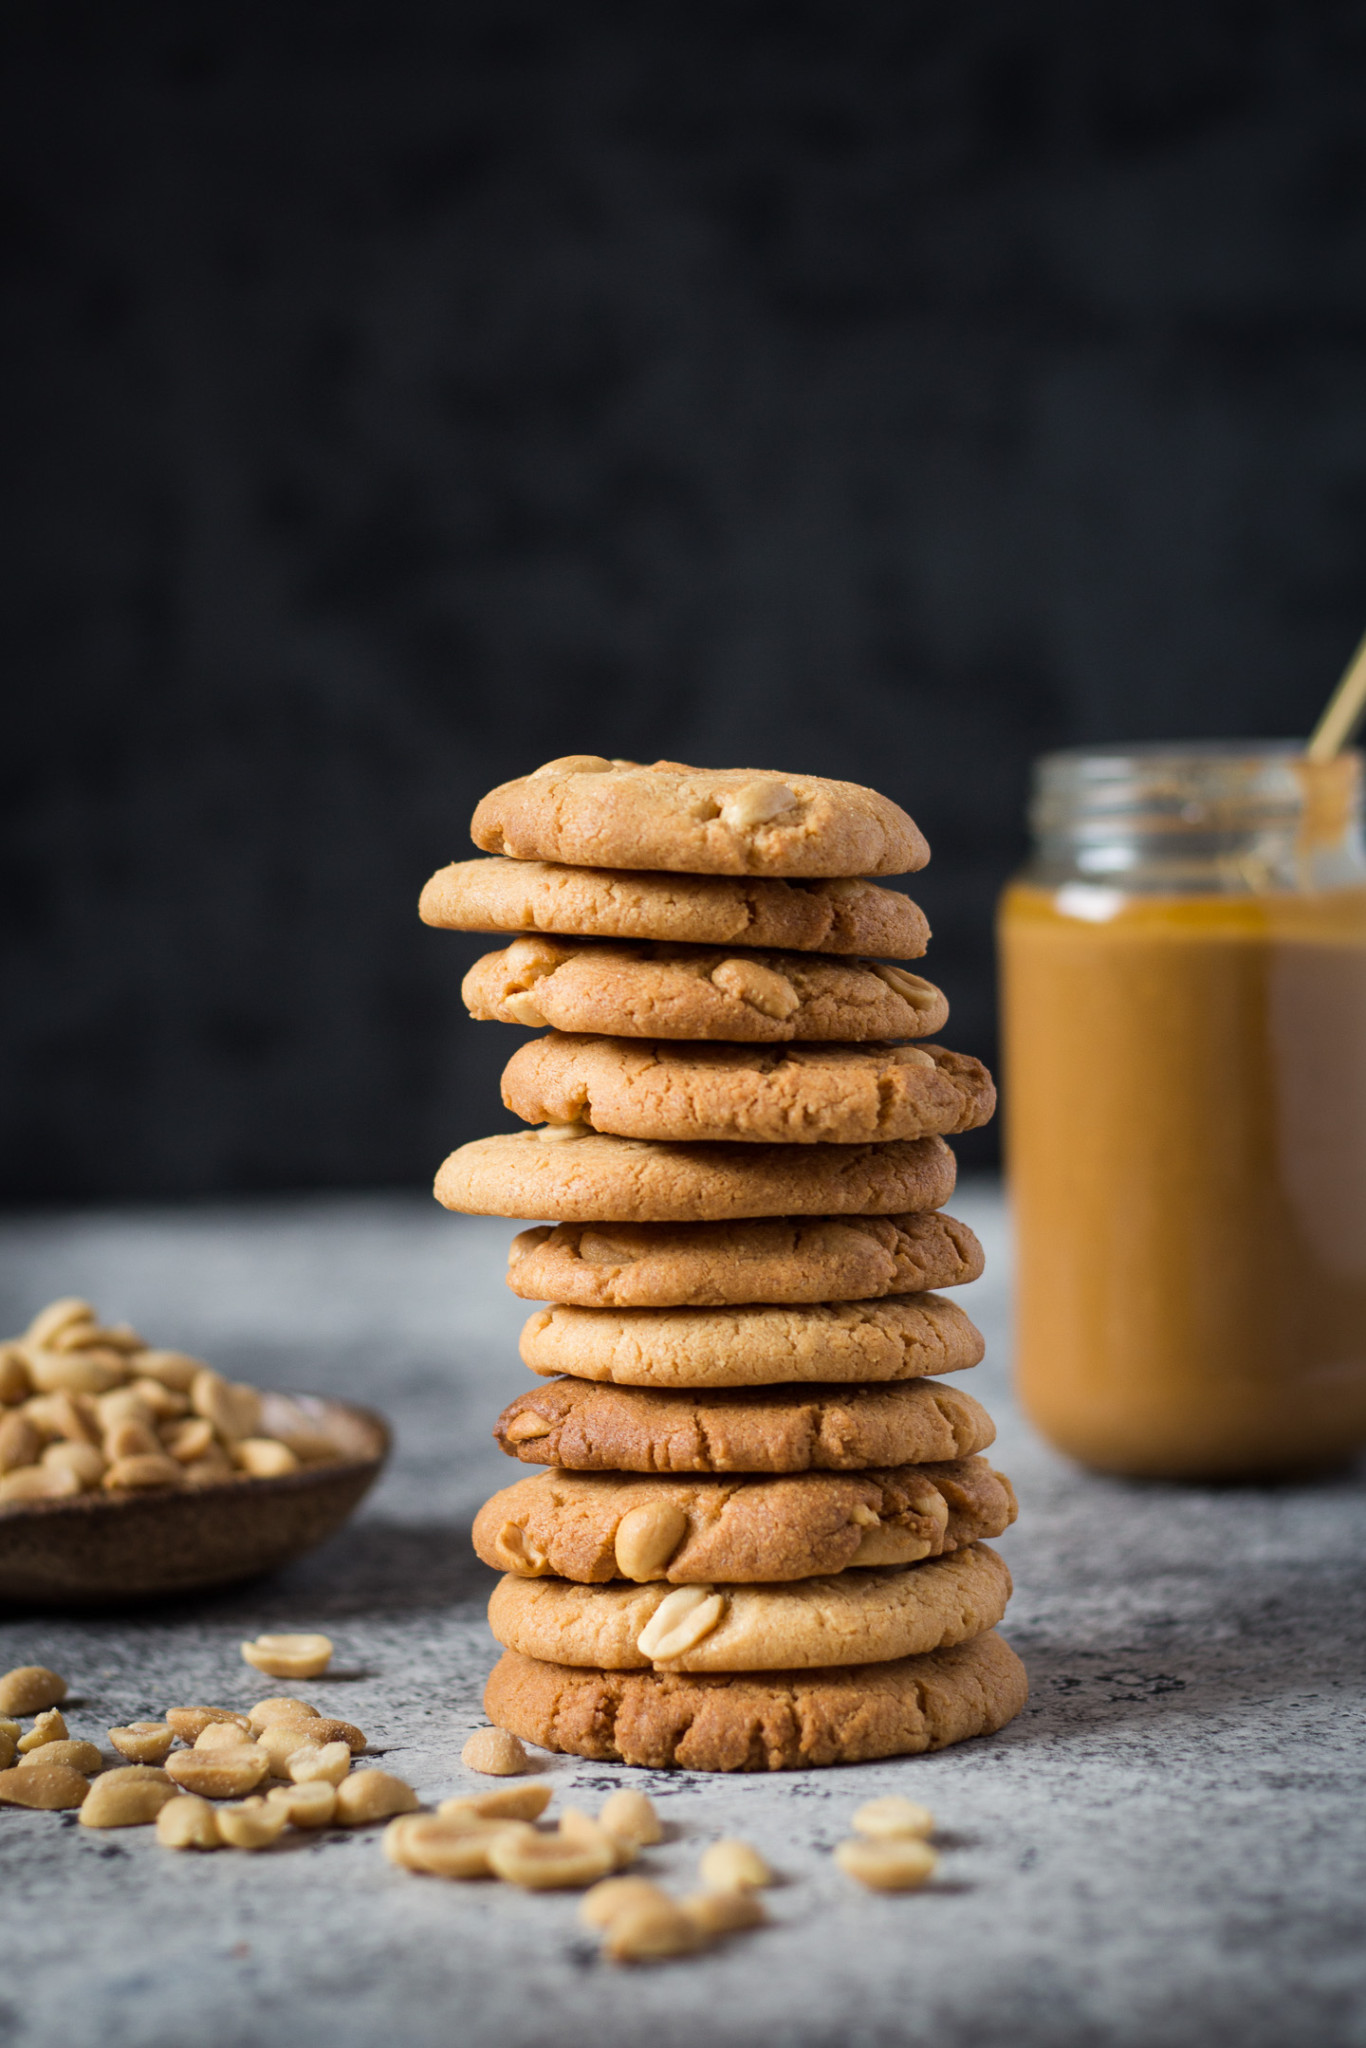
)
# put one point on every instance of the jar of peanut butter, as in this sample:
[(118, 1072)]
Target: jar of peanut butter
[(1184, 975)]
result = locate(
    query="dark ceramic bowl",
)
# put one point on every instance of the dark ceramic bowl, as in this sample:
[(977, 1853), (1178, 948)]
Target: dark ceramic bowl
[(104, 1550)]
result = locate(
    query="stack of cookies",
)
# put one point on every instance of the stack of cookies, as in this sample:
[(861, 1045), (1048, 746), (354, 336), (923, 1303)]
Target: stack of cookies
[(759, 1542)]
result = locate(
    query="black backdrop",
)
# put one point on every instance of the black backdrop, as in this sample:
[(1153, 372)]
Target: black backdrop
[(396, 397)]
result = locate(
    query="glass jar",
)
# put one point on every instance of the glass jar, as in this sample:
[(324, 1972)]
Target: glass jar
[(1184, 982)]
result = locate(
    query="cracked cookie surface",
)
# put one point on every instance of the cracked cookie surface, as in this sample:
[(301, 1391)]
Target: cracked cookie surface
[(859, 1616), (665, 1720), (590, 1428), (590, 1177), (901, 1337), (594, 1527), (587, 811), (500, 895), (794, 1095)]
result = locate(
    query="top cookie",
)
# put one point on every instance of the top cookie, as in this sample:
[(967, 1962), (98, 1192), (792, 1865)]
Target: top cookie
[(699, 992), (589, 812), (705, 910)]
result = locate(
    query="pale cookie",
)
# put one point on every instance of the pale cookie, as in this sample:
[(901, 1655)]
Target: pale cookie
[(856, 1617), (699, 992), (587, 1428), (793, 1095), (592, 1527), (903, 1337), (706, 1265), (784, 1721), (697, 910), (589, 812), (585, 1176)]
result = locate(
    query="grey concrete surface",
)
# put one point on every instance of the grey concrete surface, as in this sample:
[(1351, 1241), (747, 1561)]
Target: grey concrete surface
[(1167, 1848)]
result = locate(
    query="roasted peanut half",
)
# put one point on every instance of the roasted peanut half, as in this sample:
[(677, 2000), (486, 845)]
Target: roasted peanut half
[(291, 1656), (496, 1753)]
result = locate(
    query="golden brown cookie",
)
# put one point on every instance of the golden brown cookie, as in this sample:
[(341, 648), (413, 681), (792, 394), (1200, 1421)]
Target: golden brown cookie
[(902, 1337), (789, 1095), (863, 1616), (590, 812), (589, 1428), (700, 910), (699, 992), (784, 1721), (574, 1175), (706, 1265), (592, 1527)]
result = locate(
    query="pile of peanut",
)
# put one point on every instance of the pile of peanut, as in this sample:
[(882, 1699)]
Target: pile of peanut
[(88, 1407), (213, 1778)]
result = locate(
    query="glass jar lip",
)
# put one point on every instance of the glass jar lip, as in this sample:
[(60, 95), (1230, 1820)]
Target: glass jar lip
[(1160, 785)]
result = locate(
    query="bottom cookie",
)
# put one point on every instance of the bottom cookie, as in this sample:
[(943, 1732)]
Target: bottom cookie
[(780, 1721)]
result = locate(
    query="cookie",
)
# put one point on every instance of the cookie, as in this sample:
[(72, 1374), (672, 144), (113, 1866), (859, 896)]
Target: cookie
[(793, 1095), (647, 991), (903, 1337), (593, 1527), (588, 1428), (784, 1721), (573, 1175), (855, 1617), (589, 812), (705, 910), (704, 1265)]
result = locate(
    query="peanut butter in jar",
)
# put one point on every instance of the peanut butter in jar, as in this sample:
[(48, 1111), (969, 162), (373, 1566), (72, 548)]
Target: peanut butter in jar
[(1184, 979)]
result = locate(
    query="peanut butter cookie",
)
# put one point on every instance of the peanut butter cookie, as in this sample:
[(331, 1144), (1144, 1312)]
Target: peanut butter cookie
[(794, 1095), (705, 1265), (573, 1175), (590, 812), (902, 1337), (783, 1721), (593, 1527), (588, 1428), (699, 992), (697, 910), (861, 1616)]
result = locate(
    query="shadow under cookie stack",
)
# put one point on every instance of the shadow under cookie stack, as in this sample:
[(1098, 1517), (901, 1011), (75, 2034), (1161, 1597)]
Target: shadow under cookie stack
[(759, 1544)]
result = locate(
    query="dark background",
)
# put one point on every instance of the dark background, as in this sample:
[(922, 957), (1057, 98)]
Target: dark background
[(395, 398)]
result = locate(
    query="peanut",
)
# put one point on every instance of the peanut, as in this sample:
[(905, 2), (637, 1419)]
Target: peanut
[(549, 1862), (15, 1383), (219, 1773), (260, 1457), (29, 1688), (714, 1913), (312, 1763), (130, 1797), (170, 1369), (38, 1482), (20, 1443), (647, 1538), (631, 1817), (746, 981), (82, 1461), (254, 1824), (680, 1622), (526, 1426), (600, 1906), (46, 1786), (190, 1722), (426, 1842), (283, 1709), (290, 1656), (234, 1410), (898, 1864), (309, 1805), (651, 1931), (186, 1822), (734, 1866), (509, 1802), (58, 1315), (368, 1796), (893, 1818), (82, 1757), (579, 1827), (143, 1742), (142, 1473), (49, 1727), (754, 803), (496, 1753), (189, 1440), (74, 1372)]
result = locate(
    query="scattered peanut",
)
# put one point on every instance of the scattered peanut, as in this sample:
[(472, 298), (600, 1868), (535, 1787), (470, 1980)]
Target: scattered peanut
[(130, 1797), (368, 1796), (219, 1773), (307, 1805), (186, 1822), (893, 1818), (49, 1727), (282, 1709), (734, 1866), (289, 1656), (255, 1824), (650, 1931), (47, 1786), (632, 1818), (29, 1689), (600, 1906), (311, 1763), (9, 1741), (577, 1826), (261, 1457), (143, 1742), (190, 1722), (898, 1864), (496, 1753), (442, 1848), (509, 1802), (224, 1735), (714, 1913), (82, 1757), (549, 1862)]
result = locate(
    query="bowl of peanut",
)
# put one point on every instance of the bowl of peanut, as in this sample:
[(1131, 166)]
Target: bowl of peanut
[(129, 1473)]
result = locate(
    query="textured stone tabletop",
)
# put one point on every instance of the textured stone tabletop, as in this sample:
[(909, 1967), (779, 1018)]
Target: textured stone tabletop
[(1167, 1848)]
